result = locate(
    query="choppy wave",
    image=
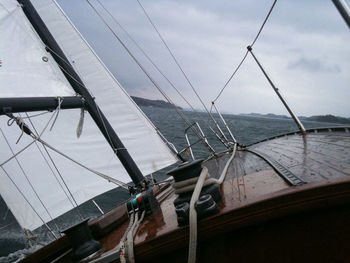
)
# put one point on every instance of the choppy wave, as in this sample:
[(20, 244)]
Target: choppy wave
[(19, 254)]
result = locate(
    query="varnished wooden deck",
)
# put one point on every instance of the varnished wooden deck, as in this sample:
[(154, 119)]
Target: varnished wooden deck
[(313, 157), (256, 196), (254, 190)]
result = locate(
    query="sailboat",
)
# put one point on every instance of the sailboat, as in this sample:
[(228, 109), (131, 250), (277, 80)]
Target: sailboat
[(283, 199)]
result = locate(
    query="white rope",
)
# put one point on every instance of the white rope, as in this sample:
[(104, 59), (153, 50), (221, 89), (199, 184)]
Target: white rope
[(131, 235), (163, 195), (122, 244), (224, 171), (69, 195), (189, 184), (193, 216), (108, 178), (126, 247), (60, 100), (189, 188), (16, 154), (24, 148), (19, 121), (54, 164), (201, 181), (35, 115)]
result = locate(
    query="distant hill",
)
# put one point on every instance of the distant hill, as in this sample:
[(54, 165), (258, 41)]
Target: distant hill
[(153, 103), (328, 118), (319, 118), (269, 115)]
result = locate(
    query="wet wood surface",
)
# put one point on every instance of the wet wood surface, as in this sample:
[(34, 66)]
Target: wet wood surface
[(313, 157), (253, 192), (317, 158)]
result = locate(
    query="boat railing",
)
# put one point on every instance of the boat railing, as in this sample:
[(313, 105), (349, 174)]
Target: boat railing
[(202, 139), (225, 124)]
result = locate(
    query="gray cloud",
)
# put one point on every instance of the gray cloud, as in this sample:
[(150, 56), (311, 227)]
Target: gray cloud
[(313, 65), (304, 47)]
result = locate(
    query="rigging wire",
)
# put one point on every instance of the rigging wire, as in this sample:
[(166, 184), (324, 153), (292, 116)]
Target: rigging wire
[(17, 153), (142, 113), (44, 129), (263, 24), (185, 119), (246, 53), (67, 73), (144, 53), (3, 227), (172, 55), (27, 201), (54, 164), (211, 117), (47, 162), (106, 177), (110, 179), (27, 179), (24, 148), (66, 61), (15, 156), (81, 84), (152, 62), (35, 115)]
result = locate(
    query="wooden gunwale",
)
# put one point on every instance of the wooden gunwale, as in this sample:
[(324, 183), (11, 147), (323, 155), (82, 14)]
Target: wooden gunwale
[(294, 200), (159, 234)]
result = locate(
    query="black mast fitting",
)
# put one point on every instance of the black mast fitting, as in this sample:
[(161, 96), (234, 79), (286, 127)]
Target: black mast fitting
[(78, 86)]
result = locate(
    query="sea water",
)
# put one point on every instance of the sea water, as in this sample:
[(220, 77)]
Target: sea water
[(246, 129)]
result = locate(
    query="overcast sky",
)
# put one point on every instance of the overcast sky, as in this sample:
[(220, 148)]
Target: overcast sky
[(305, 47)]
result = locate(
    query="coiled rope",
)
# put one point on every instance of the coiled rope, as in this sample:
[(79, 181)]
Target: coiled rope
[(190, 184)]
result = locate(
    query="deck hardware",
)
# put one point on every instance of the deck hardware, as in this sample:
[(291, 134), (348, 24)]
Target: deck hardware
[(144, 201), (81, 240), (206, 206), (203, 136), (224, 122), (183, 212), (283, 171)]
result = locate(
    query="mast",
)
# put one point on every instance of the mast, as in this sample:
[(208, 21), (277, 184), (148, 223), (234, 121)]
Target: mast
[(343, 9), (78, 86)]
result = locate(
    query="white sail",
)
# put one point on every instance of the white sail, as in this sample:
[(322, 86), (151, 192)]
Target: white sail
[(136, 132), (26, 69), (91, 149)]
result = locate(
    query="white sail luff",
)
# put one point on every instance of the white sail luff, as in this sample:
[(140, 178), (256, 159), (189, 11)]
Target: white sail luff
[(91, 149)]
